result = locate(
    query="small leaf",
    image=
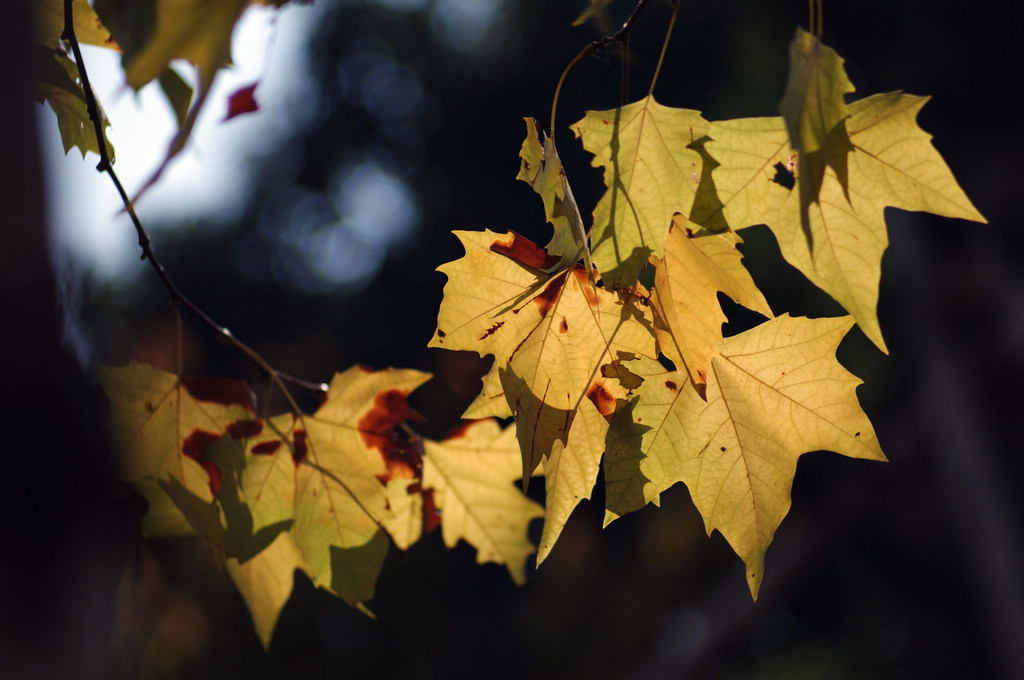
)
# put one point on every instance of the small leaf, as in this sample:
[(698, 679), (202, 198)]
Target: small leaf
[(266, 582), (57, 84), (686, 286), (242, 101), (570, 473), (472, 476), (49, 24)]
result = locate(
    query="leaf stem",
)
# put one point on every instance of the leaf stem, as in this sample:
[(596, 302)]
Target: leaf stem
[(146, 243), (664, 45), (622, 37)]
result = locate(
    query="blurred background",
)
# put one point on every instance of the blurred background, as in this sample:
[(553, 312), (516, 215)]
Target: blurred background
[(312, 229)]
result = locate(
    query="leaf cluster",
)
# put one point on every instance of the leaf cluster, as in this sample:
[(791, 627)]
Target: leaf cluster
[(596, 370)]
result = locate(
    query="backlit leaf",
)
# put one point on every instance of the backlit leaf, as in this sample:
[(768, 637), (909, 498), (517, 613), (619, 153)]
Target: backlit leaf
[(651, 173), (814, 110), (685, 302), (57, 84), (473, 478)]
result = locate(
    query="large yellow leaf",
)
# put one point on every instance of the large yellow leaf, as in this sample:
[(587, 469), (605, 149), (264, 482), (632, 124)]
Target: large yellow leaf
[(686, 285), (773, 393), (893, 164), (651, 173), (472, 475), (570, 473)]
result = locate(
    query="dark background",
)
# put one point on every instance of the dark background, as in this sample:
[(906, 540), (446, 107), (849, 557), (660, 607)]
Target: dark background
[(903, 570)]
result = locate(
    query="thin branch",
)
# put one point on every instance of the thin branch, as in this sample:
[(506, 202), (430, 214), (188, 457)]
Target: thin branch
[(622, 37), (146, 243)]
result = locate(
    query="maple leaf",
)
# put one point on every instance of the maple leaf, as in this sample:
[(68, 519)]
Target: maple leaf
[(550, 334), (48, 17), (153, 34), (774, 393), (542, 169), (687, 281), (814, 110), (161, 426), (265, 582), (472, 475), (570, 473), (490, 403), (893, 164), (57, 83), (651, 173)]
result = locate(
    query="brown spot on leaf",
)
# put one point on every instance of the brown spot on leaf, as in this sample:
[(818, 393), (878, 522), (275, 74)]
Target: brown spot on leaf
[(245, 429), (459, 431), (524, 251), (441, 333), (856, 434), (403, 457), (221, 391), (547, 298), (723, 449), (492, 330), (564, 326), (194, 446), (267, 448), (588, 290), (671, 385), (299, 448), (149, 407), (602, 399)]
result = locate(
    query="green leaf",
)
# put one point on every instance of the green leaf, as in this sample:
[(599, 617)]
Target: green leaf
[(814, 109), (651, 173), (472, 475), (57, 84)]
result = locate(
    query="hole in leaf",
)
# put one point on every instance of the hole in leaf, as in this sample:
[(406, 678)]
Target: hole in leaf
[(783, 177)]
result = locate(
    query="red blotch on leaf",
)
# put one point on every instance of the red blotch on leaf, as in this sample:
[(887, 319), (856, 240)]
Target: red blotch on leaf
[(492, 330), (563, 327), (404, 458), (242, 101), (602, 399), (547, 298), (221, 391), (524, 251), (267, 448), (194, 446), (299, 449), (588, 290), (245, 429), (459, 431)]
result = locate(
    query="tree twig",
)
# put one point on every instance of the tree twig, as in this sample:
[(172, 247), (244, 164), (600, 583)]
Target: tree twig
[(146, 243)]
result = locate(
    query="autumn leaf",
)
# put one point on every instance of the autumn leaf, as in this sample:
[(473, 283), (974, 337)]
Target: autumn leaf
[(157, 32), (242, 101), (542, 169), (161, 426), (814, 110), (472, 475), (651, 173), (265, 582), (57, 83), (491, 402), (570, 473), (774, 393), (346, 455), (550, 334), (48, 16), (893, 164), (687, 312)]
